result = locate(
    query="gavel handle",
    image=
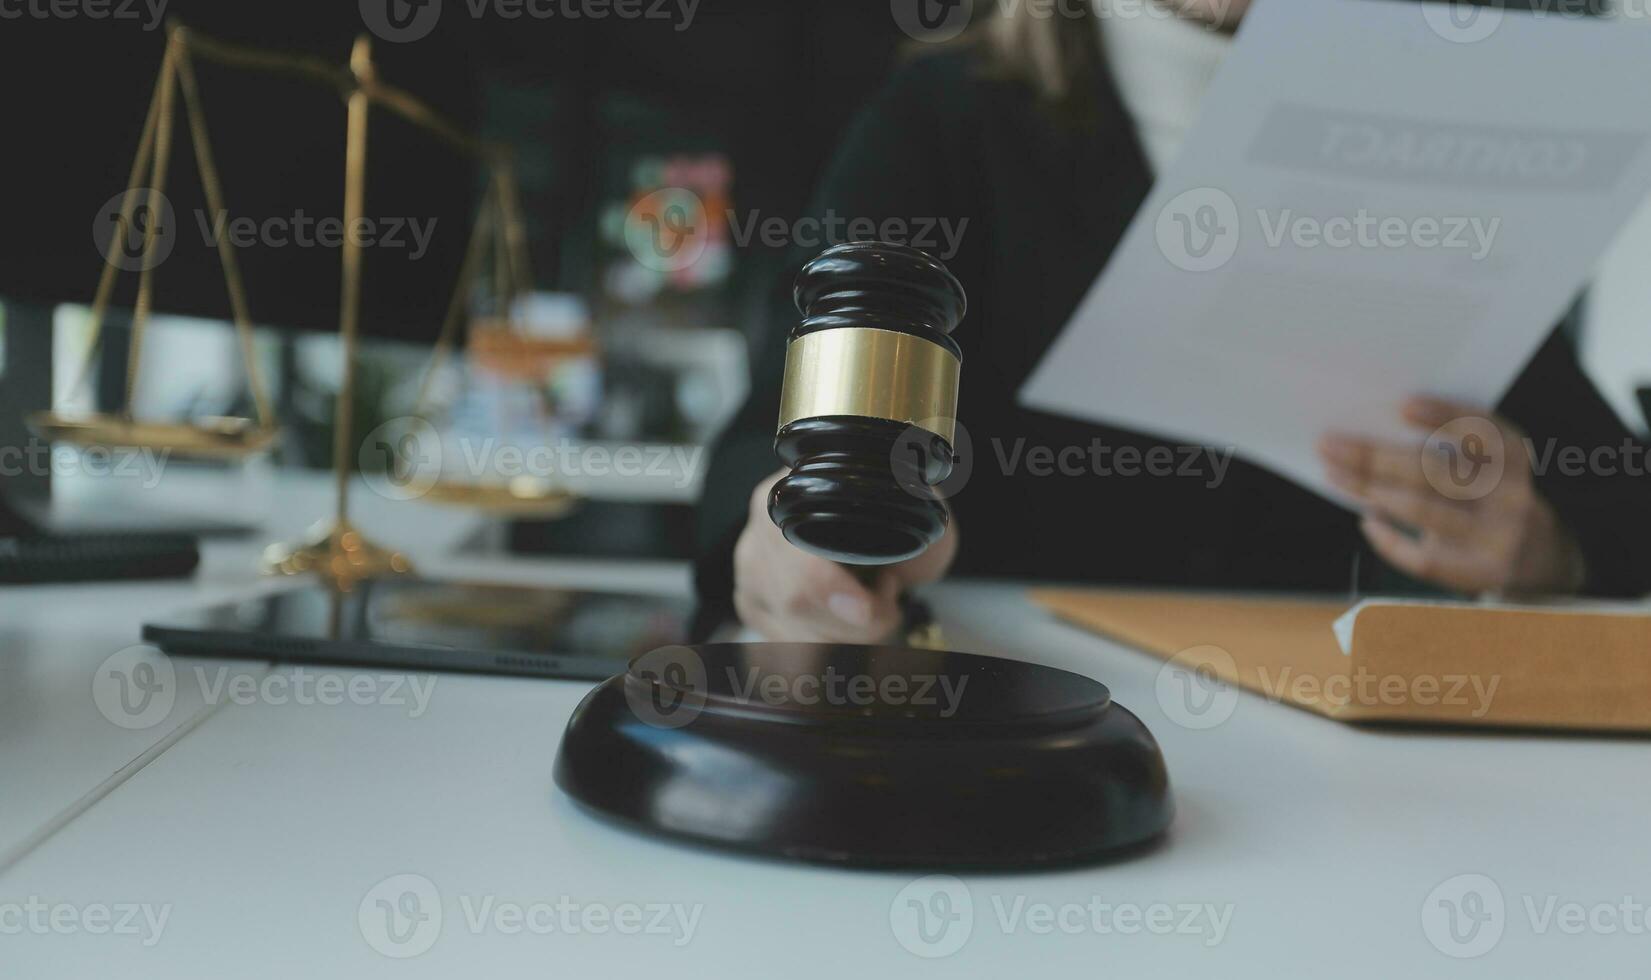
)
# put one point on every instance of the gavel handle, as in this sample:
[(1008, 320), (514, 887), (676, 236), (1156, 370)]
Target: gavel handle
[(866, 575), (917, 625)]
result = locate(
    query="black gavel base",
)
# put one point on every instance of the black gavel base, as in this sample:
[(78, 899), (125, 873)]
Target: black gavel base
[(867, 756)]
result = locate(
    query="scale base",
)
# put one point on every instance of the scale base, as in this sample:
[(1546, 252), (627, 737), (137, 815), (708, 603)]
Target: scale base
[(339, 554)]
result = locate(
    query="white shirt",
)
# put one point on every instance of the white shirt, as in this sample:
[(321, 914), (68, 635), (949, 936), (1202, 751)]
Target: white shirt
[(1162, 66)]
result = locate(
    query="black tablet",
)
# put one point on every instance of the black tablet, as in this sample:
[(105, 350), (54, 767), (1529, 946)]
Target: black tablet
[(419, 624)]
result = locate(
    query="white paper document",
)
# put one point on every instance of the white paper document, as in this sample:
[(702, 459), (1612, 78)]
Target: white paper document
[(1380, 199)]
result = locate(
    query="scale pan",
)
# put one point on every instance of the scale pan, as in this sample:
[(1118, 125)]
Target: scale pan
[(517, 498), (213, 437)]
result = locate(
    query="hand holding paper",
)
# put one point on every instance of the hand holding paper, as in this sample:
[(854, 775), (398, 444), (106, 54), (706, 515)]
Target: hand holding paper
[(1367, 209), (1469, 496)]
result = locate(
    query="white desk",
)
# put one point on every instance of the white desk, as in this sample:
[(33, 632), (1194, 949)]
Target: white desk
[(261, 832)]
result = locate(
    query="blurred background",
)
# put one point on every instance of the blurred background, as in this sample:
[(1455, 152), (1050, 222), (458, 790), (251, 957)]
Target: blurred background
[(739, 102)]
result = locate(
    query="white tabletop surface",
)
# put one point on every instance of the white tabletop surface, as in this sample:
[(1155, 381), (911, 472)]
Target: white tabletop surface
[(269, 838)]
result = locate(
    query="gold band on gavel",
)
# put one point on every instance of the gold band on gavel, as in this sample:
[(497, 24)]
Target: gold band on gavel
[(874, 373)]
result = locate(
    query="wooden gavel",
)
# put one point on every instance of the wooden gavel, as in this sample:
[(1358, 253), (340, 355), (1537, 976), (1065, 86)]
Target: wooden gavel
[(868, 411)]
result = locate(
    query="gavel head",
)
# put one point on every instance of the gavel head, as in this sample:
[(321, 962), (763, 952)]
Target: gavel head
[(867, 414)]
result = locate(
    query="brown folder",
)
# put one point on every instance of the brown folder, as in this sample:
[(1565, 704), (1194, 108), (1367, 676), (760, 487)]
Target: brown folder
[(1561, 667)]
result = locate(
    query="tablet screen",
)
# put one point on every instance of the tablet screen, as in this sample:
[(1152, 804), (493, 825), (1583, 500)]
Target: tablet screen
[(480, 626)]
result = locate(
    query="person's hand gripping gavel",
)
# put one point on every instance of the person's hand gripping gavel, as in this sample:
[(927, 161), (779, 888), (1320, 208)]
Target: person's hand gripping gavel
[(866, 429)]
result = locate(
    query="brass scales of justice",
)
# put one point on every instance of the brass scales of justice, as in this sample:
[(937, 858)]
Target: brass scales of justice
[(334, 549)]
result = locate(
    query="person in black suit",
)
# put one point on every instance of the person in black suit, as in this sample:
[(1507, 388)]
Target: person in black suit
[(1036, 137)]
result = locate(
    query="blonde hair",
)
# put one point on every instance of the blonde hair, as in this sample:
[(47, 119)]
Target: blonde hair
[(1056, 52)]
